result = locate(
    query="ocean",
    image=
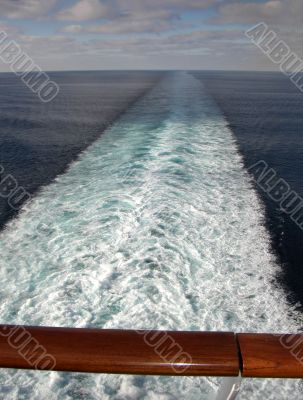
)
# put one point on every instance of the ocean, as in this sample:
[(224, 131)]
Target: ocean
[(148, 221), (39, 140), (265, 113)]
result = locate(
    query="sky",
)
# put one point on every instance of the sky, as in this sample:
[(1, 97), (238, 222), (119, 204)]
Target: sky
[(148, 34)]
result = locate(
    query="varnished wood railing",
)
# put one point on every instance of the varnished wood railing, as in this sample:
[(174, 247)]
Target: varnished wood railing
[(151, 352), (271, 356)]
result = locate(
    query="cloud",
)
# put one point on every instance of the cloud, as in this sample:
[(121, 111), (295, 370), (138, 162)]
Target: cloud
[(200, 49), (126, 26), (26, 8), (167, 4), (138, 22), (10, 30), (133, 33), (199, 41), (275, 12), (85, 10)]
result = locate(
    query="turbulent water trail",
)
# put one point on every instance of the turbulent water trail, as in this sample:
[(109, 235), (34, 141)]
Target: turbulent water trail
[(155, 226)]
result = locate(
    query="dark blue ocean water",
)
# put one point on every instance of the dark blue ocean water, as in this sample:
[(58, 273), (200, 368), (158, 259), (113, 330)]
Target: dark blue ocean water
[(39, 140), (265, 112)]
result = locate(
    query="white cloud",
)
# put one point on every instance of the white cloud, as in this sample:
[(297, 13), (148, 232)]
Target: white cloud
[(73, 29), (87, 10), (10, 30), (199, 49), (138, 22), (26, 8), (275, 12), (173, 44), (115, 19), (167, 4)]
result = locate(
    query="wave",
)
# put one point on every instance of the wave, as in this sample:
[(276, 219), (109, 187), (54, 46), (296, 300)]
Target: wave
[(157, 225)]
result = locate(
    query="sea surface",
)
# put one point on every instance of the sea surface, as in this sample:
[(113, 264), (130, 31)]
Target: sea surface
[(39, 140), (155, 224), (265, 113)]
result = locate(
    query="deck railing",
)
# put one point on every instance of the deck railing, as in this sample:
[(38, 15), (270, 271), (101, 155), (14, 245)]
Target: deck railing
[(225, 354)]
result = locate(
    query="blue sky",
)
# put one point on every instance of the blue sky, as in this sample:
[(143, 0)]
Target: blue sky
[(148, 34)]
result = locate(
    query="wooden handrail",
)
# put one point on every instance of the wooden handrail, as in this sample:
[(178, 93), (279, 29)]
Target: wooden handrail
[(151, 352), (122, 351), (271, 356)]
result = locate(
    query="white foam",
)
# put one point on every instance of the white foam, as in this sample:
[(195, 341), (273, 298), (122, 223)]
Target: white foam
[(155, 226)]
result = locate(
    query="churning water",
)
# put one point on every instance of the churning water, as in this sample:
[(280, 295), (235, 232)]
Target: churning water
[(157, 225)]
